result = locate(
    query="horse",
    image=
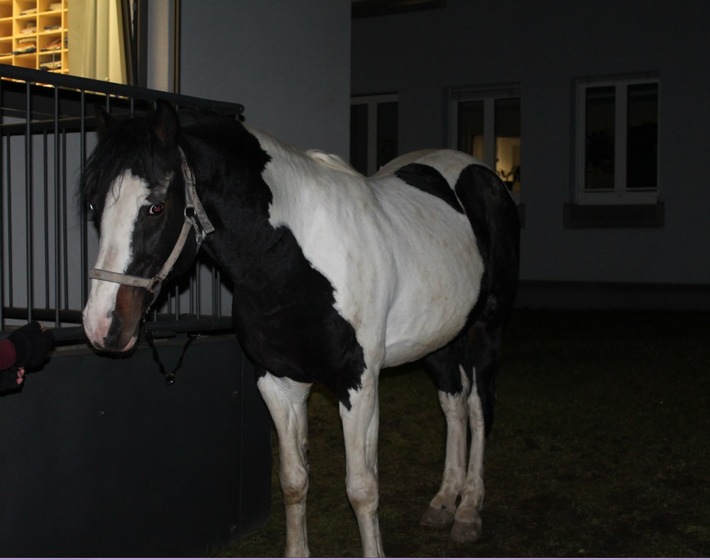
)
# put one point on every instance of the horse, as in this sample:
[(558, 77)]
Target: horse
[(336, 276)]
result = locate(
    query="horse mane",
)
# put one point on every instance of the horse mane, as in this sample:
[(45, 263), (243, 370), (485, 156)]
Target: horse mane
[(118, 150)]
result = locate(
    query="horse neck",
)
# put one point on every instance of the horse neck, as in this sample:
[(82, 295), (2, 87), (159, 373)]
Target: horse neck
[(292, 184), (237, 199), (300, 181)]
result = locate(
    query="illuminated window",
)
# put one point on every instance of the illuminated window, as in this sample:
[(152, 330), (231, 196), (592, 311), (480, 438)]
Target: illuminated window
[(88, 38), (486, 124)]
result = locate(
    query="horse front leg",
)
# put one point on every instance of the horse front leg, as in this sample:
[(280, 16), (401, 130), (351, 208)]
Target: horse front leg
[(286, 401), (360, 430)]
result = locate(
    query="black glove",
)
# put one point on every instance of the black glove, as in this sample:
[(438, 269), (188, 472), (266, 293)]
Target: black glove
[(8, 380), (32, 345)]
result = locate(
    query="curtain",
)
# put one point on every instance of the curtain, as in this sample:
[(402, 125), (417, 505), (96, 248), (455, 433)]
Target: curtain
[(96, 40)]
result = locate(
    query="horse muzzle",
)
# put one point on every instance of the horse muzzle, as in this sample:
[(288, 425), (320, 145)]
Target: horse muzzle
[(115, 328)]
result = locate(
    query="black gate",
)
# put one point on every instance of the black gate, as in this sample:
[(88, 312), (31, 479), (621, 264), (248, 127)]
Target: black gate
[(98, 456)]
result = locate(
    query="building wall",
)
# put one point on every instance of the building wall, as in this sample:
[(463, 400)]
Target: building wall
[(287, 62), (544, 46)]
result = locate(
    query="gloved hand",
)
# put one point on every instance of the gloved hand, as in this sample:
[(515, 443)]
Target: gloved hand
[(32, 344)]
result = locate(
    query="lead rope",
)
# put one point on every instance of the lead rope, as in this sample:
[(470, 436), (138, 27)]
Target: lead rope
[(169, 376)]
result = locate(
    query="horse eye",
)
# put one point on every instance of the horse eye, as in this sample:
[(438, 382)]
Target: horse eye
[(156, 209)]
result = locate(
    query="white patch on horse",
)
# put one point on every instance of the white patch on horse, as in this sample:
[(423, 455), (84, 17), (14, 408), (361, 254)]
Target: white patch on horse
[(357, 231), (124, 200), (286, 401)]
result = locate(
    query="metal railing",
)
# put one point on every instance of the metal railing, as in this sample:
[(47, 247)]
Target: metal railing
[(46, 243)]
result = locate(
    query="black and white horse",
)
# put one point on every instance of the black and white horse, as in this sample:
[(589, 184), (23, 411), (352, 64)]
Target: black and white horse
[(336, 276)]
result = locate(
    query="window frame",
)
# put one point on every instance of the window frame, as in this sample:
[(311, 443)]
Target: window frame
[(620, 193), (488, 95), (372, 101)]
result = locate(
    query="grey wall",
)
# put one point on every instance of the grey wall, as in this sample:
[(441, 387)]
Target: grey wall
[(544, 45), (287, 62)]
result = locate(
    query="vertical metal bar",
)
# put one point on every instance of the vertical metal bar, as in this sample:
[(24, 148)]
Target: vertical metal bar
[(177, 301), (177, 21), (2, 221), (8, 183), (215, 292), (45, 220), (83, 231), (28, 199), (197, 293), (57, 214), (219, 294), (63, 227)]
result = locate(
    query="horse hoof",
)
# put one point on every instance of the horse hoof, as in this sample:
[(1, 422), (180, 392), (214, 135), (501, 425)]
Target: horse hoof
[(436, 518), (466, 531)]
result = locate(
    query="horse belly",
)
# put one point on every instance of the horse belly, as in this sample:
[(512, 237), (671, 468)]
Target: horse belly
[(435, 297)]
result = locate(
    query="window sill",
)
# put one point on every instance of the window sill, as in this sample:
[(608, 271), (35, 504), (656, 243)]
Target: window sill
[(614, 216)]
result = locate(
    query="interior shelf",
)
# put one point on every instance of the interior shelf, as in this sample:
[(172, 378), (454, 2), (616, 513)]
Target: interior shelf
[(34, 34)]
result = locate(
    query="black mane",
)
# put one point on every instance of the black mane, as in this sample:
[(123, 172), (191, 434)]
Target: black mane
[(125, 145)]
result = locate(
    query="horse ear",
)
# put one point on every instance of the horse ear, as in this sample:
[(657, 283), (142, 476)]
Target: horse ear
[(166, 125), (104, 121)]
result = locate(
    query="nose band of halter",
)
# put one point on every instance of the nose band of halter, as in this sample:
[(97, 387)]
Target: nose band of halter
[(195, 218)]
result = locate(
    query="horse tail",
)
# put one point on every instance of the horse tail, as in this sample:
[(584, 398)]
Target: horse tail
[(494, 218)]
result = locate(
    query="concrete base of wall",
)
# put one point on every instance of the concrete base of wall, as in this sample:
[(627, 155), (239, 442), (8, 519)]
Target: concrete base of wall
[(100, 458), (599, 295)]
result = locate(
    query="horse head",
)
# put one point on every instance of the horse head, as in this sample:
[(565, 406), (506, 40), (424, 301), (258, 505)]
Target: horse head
[(134, 186)]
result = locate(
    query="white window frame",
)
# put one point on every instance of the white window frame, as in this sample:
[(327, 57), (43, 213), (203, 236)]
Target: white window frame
[(489, 96), (620, 194), (373, 102)]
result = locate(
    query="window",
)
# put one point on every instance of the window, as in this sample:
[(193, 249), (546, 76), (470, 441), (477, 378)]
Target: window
[(373, 131), (96, 39), (616, 147), (486, 124)]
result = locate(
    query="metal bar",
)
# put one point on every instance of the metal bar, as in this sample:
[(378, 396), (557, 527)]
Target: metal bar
[(118, 90), (8, 183), (83, 233), (2, 220), (177, 19), (205, 325), (63, 228), (57, 214), (29, 270), (45, 210)]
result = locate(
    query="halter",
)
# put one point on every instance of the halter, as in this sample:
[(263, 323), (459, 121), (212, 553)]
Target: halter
[(195, 218)]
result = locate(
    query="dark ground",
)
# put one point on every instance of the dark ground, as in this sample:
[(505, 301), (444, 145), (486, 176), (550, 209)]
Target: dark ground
[(601, 447)]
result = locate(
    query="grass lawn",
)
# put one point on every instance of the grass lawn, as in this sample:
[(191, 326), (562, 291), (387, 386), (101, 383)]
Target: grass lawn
[(601, 447)]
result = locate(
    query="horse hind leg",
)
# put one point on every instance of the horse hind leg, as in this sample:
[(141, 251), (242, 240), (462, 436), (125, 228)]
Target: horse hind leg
[(453, 388), (464, 372), (286, 401), (485, 345)]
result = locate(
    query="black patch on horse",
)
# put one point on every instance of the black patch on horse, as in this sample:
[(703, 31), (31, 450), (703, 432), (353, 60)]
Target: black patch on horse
[(427, 179), (287, 323), (283, 308)]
